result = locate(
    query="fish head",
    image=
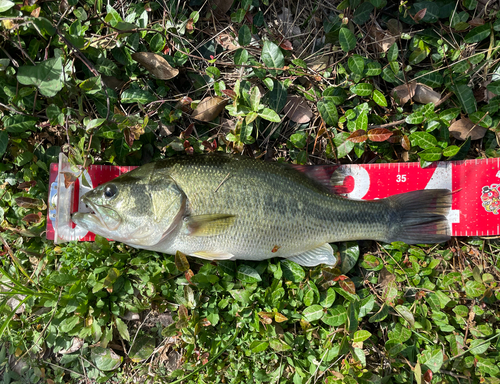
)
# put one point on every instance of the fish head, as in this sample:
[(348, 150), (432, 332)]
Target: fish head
[(138, 208)]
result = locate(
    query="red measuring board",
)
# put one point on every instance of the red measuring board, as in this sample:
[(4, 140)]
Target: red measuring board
[(475, 185)]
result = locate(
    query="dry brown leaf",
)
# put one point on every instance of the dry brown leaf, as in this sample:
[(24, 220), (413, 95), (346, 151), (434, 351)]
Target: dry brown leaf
[(209, 108), (297, 109), (156, 65), (220, 7), (226, 41), (403, 93), (382, 39), (464, 128), (319, 64), (76, 344), (395, 27), (112, 82), (424, 94)]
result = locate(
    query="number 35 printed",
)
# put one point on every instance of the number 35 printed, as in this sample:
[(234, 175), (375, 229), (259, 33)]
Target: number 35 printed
[(401, 178)]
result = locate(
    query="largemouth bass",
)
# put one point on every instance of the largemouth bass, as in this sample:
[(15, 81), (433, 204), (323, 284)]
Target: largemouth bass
[(231, 207)]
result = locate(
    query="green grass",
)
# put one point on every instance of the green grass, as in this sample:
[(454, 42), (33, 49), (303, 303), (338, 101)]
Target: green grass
[(71, 80)]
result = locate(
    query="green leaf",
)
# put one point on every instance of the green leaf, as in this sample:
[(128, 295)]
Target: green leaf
[(68, 324), (352, 316), (479, 346), (431, 154), (362, 89), (399, 333), (344, 146), (137, 95), (405, 314), (272, 57), (5, 5), (47, 76), (4, 142), (433, 359), (122, 329), (419, 54), (362, 13), (360, 355), (327, 298), (361, 123), (379, 98), (213, 72), (270, 115), (347, 39), (415, 118), (423, 139), (466, 97), (393, 52), (277, 96), (105, 359), (478, 34), (258, 346), (244, 35), (356, 64), (494, 87), (373, 68), (349, 250), (335, 316), (488, 366), (328, 111), (247, 274), (452, 150), (360, 336), (292, 271), (474, 289), (240, 56), (255, 99), (94, 123), (449, 114), (112, 16), (279, 345), (142, 348), (312, 313), (299, 139)]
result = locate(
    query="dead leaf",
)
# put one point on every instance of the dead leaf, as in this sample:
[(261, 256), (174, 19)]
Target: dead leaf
[(27, 202), (69, 179), (476, 22), (113, 83), (379, 134), (156, 65), (226, 41), (319, 64), (382, 39), (403, 93), (405, 143), (33, 218), (220, 7), (420, 15), (76, 344), (464, 128), (209, 108), (297, 109), (424, 94), (395, 27), (358, 136), (286, 45)]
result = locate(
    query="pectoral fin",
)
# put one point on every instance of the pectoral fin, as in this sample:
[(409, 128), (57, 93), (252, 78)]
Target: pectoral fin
[(320, 255), (209, 225), (212, 255)]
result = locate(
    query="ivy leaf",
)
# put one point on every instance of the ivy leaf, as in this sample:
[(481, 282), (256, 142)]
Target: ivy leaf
[(361, 335), (292, 271), (4, 141), (359, 136), (347, 39), (356, 64), (379, 134), (362, 89), (272, 57), (105, 359), (431, 154), (328, 111), (379, 98), (478, 34), (423, 139), (247, 274), (279, 345), (47, 76), (258, 346), (270, 115), (244, 35), (466, 97), (335, 316), (343, 145), (312, 313)]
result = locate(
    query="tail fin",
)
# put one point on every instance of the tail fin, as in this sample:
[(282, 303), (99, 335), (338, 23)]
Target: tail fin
[(420, 216)]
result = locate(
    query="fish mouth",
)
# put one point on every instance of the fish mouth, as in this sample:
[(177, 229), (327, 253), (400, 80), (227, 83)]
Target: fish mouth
[(99, 216)]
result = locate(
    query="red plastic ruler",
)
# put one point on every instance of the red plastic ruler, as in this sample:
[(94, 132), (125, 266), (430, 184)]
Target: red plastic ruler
[(475, 185)]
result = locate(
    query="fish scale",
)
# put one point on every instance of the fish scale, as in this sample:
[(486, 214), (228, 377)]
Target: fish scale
[(229, 207)]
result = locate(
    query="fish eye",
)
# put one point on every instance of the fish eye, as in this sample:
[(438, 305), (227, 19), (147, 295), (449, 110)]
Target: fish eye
[(110, 191)]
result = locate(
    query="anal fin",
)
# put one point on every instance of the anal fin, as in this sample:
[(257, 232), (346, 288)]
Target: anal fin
[(319, 255), (212, 255)]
